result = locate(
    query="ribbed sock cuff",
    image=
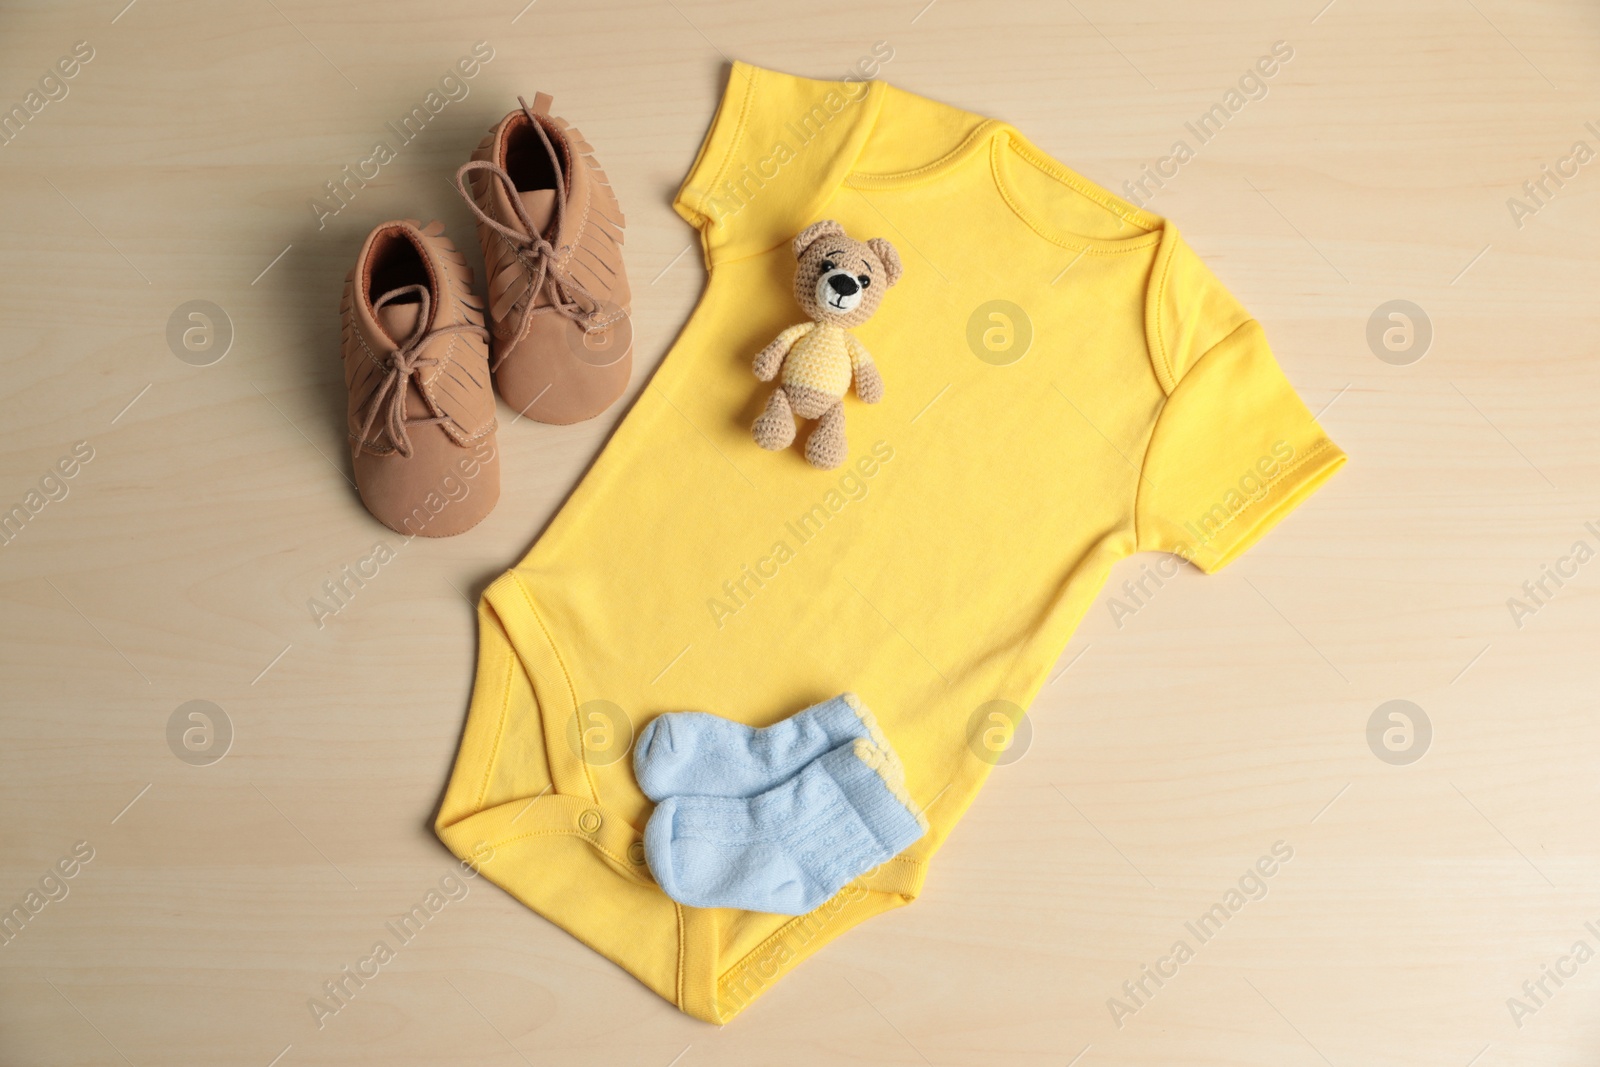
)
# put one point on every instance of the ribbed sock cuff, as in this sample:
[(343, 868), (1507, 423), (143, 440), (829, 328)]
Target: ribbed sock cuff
[(873, 783)]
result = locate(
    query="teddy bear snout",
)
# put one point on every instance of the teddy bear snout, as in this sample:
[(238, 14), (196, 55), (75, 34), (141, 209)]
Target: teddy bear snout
[(838, 291)]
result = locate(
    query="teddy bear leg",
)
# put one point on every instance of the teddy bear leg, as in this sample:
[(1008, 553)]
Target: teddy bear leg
[(826, 448), (774, 428)]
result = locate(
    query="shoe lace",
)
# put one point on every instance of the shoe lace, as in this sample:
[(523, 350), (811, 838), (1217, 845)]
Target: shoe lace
[(388, 400), (566, 295)]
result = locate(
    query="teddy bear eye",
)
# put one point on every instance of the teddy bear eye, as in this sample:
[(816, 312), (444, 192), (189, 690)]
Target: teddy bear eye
[(865, 280), (825, 266)]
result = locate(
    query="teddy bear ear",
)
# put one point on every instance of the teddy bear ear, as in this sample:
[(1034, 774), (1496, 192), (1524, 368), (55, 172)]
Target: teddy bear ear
[(803, 239), (891, 259)]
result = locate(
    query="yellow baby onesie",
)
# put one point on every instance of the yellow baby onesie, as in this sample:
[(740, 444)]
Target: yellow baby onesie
[(1067, 384)]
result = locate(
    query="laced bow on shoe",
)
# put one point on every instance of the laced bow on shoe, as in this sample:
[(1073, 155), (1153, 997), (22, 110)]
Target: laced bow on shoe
[(388, 400), (567, 296)]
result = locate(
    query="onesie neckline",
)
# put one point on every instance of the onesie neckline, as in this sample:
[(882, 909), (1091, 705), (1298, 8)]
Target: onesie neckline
[(1007, 147)]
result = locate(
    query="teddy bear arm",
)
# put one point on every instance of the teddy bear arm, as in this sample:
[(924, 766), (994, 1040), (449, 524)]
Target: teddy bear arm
[(869, 383), (771, 357)]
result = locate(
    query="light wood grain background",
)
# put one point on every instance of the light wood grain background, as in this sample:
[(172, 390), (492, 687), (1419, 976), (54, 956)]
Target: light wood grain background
[(1175, 749)]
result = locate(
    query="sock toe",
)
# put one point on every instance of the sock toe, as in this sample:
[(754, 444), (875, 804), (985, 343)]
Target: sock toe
[(658, 737), (655, 758), (658, 847)]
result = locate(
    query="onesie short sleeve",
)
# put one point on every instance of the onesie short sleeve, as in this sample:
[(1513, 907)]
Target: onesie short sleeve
[(778, 150), (1234, 449)]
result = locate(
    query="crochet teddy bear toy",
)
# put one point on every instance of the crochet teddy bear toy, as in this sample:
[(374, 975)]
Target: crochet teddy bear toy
[(839, 283)]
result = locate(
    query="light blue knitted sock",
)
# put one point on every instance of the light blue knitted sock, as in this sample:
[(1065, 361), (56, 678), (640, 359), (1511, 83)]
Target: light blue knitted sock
[(793, 847), (691, 753)]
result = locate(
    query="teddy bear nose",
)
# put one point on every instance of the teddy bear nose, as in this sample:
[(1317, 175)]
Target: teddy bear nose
[(844, 285)]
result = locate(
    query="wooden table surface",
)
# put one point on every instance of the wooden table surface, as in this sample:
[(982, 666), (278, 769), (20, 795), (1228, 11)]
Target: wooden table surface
[(1440, 856)]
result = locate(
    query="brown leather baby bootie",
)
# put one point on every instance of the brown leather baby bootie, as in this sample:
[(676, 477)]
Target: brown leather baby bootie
[(551, 232), (416, 365)]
